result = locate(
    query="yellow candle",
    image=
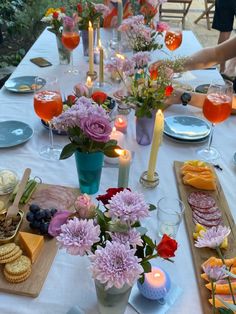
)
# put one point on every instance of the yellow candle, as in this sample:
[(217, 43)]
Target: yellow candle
[(90, 30), (89, 84), (101, 63), (156, 142)]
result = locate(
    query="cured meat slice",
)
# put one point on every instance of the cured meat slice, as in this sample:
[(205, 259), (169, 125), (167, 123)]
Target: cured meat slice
[(204, 222), (209, 216), (210, 210), (201, 199), (57, 197)]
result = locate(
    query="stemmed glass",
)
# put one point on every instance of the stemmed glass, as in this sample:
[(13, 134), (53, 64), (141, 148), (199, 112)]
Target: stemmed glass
[(70, 39), (48, 104), (216, 108)]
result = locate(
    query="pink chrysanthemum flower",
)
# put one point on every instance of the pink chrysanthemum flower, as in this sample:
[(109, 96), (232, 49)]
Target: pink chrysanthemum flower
[(213, 237), (128, 206), (78, 236), (215, 273), (115, 265), (132, 238)]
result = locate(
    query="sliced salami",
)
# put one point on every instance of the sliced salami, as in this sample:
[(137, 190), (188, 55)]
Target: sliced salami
[(209, 216), (204, 222), (210, 210), (201, 199)]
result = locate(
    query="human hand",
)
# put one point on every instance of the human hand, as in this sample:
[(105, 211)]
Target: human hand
[(174, 98)]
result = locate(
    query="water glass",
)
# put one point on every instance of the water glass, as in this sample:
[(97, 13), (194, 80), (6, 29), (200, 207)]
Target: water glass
[(169, 216)]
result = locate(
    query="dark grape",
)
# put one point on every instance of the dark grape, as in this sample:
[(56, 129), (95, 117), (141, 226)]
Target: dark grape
[(30, 216), (34, 208), (35, 224), (47, 214), (43, 228), (39, 215), (53, 211)]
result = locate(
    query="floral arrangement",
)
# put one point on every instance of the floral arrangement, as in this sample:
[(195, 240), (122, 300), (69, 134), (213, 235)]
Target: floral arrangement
[(88, 126), (117, 245), (140, 36), (146, 90), (89, 11), (54, 17), (213, 238)]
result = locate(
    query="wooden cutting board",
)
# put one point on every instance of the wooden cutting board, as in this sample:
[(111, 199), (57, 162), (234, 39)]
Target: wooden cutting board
[(33, 285), (200, 255)]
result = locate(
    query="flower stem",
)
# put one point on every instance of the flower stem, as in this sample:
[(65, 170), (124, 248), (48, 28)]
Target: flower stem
[(218, 250), (213, 297), (147, 258)]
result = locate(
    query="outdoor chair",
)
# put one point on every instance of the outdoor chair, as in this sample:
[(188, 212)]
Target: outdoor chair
[(175, 9), (207, 13)]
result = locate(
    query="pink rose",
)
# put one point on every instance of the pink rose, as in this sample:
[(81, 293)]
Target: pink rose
[(162, 26), (85, 207), (81, 90)]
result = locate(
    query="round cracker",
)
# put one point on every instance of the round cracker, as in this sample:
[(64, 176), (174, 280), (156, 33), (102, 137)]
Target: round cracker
[(20, 266), (6, 248), (17, 278), (12, 258), (12, 253)]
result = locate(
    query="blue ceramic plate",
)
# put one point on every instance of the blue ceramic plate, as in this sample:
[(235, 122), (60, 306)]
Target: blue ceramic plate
[(186, 128), (14, 133), (23, 84)]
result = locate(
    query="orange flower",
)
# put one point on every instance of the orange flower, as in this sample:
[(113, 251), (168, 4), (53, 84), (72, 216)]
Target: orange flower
[(63, 10), (153, 73), (168, 90), (55, 15), (99, 97)]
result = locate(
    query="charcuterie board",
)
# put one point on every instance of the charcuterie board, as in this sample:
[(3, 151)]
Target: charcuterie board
[(200, 255), (33, 285)]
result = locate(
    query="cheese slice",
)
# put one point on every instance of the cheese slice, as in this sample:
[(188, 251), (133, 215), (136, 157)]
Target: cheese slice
[(32, 244)]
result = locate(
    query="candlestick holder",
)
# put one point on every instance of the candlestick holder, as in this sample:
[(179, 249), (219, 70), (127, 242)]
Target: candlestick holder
[(147, 183), (93, 75), (103, 86)]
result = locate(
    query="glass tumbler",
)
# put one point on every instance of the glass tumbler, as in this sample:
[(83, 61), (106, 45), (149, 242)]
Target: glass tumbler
[(169, 216)]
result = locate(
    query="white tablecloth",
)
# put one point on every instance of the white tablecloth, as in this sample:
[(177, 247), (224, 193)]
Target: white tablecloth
[(69, 282)]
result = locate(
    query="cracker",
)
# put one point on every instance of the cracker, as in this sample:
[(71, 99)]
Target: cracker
[(17, 278), (6, 248), (12, 258), (12, 253), (19, 266)]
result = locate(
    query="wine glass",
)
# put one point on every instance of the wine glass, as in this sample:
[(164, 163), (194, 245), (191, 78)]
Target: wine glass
[(70, 39), (216, 109), (48, 104)]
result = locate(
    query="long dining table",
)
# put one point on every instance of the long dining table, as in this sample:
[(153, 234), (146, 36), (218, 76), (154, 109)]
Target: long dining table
[(69, 281)]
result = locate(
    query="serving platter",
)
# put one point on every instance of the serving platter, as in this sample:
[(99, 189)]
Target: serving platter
[(33, 285), (200, 255)]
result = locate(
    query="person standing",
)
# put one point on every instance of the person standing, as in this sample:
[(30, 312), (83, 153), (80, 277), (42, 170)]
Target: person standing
[(225, 11)]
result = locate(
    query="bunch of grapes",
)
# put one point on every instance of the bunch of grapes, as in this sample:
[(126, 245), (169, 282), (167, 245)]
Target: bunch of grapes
[(39, 218)]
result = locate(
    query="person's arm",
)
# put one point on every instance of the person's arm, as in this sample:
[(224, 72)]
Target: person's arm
[(197, 99), (210, 56)]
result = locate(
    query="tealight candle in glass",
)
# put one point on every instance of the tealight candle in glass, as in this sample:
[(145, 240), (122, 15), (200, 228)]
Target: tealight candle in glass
[(121, 123)]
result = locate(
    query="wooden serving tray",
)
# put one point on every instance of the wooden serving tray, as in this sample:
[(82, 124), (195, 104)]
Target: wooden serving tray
[(33, 285), (200, 255)]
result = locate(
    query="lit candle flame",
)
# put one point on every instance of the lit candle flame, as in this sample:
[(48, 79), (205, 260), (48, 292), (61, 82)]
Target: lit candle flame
[(90, 24), (89, 82), (120, 56), (114, 129), (120, 152), (99, 43), (120, 120), (157, 275)]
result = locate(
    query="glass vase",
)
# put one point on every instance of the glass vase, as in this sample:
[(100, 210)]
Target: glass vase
[(144, 129), (89, 169), (113, 300), (63, 52)]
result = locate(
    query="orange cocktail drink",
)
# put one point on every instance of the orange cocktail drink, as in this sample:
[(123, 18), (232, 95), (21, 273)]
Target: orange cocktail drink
[(70, 40), (217, 107)]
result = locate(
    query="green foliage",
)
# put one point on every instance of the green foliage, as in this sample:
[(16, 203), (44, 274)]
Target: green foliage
[(8, 12), (12, 59)]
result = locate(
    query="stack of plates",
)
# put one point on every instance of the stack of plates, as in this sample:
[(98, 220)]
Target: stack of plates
[(186, 129)]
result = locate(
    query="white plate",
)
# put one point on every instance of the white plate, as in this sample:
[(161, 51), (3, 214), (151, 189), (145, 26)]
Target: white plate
[(186, 128), (23, 84)]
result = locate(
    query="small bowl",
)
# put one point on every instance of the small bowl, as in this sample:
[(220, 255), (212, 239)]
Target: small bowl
[(10, 239), (10, 183)]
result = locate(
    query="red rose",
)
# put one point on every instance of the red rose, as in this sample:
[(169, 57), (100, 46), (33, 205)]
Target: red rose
[(168, 90), (99, 97), (71, 100), (63, 10), (79, 8), (153, 73), (167, 247), (110, 192), (55, 15)]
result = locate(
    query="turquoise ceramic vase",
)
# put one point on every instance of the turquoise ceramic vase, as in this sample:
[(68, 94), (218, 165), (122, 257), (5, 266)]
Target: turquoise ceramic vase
[(89, 169)]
